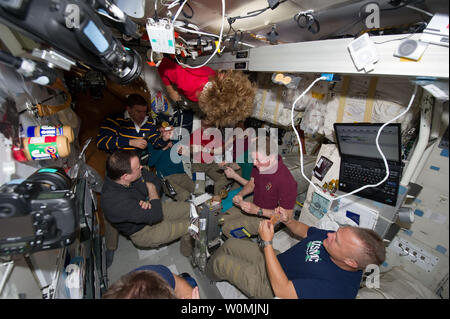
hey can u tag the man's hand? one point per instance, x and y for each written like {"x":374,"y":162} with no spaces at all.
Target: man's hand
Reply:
{"x":152,"y":193}
{"x":222,"y":165}
{"x":266,"y":230}
{"x":285,"y":216}
{"x":230,"y":173}
{"x":138,"y":143}
{"x":169,"y":145}
{"x":237,"y":199}
{"x":183,"y":151}
{"x":249,"y":207}
{"x":145,"y":204}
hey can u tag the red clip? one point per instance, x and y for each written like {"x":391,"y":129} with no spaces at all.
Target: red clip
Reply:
{"x":18,"y":154}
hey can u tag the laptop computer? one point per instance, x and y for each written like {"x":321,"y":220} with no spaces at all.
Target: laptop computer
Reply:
{"x":362,"y":164}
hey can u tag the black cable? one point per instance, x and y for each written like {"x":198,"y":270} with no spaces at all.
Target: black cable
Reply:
{"x":236,"y":40}
{"x":252,"y":13}
{"x":256,"y":12}
{"x":10,"y":60}
{"x":343,"y":29}
{"x":185,"y":15}
{"x":230,"y":22}
{"x":314,"y":27}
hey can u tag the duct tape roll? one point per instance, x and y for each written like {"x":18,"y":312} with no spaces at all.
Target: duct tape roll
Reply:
{"x":406,"y":215}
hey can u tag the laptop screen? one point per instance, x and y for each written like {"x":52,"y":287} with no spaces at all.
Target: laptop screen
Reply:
{"x":359,"y":140}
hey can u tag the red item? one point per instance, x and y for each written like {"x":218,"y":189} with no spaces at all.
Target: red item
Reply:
{"x":190,"y":82}
{"x":18,"y":154}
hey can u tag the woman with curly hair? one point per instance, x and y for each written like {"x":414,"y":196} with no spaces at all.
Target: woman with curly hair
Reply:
{"x":225,"y":98}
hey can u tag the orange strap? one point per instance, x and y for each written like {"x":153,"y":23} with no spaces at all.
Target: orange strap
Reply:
{"x":46,"y":110}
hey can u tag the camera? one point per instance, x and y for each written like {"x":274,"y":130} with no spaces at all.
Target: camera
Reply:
{"x":88,"y":40}
{"x":38,"y":214}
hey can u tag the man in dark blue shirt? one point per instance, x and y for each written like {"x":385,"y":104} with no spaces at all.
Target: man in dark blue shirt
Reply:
{"x":325,"y":264}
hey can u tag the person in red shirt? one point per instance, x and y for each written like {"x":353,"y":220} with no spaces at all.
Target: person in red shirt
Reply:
{"x":225,"y":97}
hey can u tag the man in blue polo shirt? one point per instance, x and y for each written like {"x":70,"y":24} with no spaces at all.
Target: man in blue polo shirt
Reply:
{"x":325,"y":264}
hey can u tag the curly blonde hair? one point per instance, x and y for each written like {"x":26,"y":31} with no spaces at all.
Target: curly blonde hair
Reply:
{"x":228,"y":100}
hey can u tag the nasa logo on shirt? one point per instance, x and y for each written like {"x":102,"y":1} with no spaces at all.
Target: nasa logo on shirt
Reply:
{"x":268,"y":186}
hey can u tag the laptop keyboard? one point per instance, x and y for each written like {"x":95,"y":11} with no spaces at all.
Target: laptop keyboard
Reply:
{"x":354,"y":176}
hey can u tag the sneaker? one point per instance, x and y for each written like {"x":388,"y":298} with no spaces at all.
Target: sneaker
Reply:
{"x":186,"y":245}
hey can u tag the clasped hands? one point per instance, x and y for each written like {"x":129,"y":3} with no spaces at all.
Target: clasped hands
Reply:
{"x":141,"y":142}
{"x":266,"y":226}
{"x":247,"y":207}
{"x":145,"y":204}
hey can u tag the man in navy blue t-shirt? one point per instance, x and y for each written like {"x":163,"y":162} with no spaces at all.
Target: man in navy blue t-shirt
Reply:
{"x":325,"y":264}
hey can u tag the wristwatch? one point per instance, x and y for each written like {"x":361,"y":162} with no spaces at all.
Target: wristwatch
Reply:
{"x":260,"y":212}
{"x":263,"y":244}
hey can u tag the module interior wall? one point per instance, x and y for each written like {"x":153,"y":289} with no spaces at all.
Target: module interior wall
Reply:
{"x":430,"y":230}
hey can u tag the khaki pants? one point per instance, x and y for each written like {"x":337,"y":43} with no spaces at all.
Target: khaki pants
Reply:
{"x":236,"y":218}
{"x":111,"y":236}
{"x":175,"y":224}
{"x":183,"y":185}
{"x":214,"y":172}
{"x":241,"y":262}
